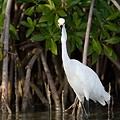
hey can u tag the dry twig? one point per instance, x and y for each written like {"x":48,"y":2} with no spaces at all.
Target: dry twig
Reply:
{"x":39,"y":93}
{"x":63,"y":106}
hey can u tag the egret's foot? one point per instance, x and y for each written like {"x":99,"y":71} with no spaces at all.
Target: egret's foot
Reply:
{"x":85,"y":116}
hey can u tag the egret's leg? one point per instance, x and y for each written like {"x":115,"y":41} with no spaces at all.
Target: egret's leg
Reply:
{"x":83,"y":108}
{"x":84,"y":111}
{"x":86,"y":104}
{"x":110,"y":108}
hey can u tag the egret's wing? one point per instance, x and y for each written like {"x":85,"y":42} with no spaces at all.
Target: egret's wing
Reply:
{"x":94,"y":87}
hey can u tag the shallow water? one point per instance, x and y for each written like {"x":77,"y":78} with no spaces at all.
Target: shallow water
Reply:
{"x":97,"y":112}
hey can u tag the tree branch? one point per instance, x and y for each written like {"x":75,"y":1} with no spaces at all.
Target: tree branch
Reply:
{"x":114,"y":62}
{"x":26,"y":89}
{"x":39,"y":93}
{"x":50,"y":81}
{"x":116,"y":4}
{"x":88,"y":33}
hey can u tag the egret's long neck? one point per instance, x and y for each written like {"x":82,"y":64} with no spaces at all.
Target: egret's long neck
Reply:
{"x":65,"y":56}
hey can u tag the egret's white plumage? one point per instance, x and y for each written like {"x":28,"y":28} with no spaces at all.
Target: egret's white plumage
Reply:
{"x":82,"y":79}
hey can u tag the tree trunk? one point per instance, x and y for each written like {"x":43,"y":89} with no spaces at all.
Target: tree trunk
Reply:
{"x":5,"y":38}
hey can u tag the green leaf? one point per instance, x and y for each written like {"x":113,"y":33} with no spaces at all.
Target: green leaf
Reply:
{"x":104,"y":33}
{"x":107,"y":50}
{"x":110,"y":52}
{"x":41,"y":25}
{"x":111,"y":27}
{"x":61,"y":13}
{"x":30,"y":21}
{"x":95,"y":57}
{"x":38,"y":37}
{"x":4,"y":6}
{"x":106,"y":8}
{"x":1,"y":22}
{"x":113,"y":40}
{"x":51,"y":20}
{"x":75,"y":17}
{"x":14,"y":33}
{"x":47,"y":45}
{"x":90,"y":50}
{"x":24,"y":23}
{"x":72,"y":44}
{"x":83,"y":25}
{"x":81,"y":34}
{"x":78,"y":42}
{"x":51,"y":5}
{"x":1,"y":45}
{"x":40,"y":8}
{"x":114,"y":56}
{"x":44,"y":18}
{"x":96,"y":46}
{"x":113,"y":16}
{"x":118,"y":29}
{"x":34,"y":22}
{"x":78,"y":23}
{"x":57,"y":2}
{"x":56,"y":20}
{"x":29,"y":31}
{"x":30,"y":11}
{"x":76,"y":20}
{"x":53,"y":47}
{"x":73,"y":2}
{"x":1,"y":55}
{"x":48,"y":17}
{"x":55,"y":35}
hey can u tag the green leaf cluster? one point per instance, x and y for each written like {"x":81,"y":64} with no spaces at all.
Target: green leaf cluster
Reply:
{"x":105,"y":30}
{"x":44,"y":27}
{"x":41,"y":25}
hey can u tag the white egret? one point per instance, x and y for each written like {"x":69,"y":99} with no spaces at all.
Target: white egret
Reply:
{"x":83,"y":80}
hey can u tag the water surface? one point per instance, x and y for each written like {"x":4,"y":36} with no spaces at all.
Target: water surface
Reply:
{"x":97,"y":112}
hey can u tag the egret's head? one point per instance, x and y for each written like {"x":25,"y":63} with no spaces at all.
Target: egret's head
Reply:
{"x":61,"y":22}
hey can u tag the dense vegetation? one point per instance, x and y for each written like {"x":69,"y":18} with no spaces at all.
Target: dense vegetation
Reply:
{"x":35,"y":73}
